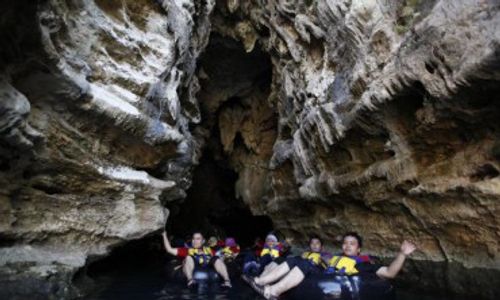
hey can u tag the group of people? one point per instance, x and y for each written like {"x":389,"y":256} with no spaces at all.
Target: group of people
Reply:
{"x":272,"y":273}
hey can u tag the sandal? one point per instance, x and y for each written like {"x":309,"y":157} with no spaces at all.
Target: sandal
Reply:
{"x":226,"y":284}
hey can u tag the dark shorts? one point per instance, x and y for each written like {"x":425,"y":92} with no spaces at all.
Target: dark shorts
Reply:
{"x":280,"y":260}
{"x":304,"y":265}
{"x":266,"y":260}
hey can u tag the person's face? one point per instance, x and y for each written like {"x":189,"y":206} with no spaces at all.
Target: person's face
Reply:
{"x":270,"y":243}
{"x":212,"y":242}
{"x":315,"y":245}
{"x":197,"y":240}
{"x":350,"y":247}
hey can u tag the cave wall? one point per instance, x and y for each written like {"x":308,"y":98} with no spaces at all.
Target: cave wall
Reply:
{"x":96,"y":100}
{"x":387,"y":125}
{"x":380,"y":117}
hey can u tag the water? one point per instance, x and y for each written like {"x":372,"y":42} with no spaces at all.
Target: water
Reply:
{"x":138,"y":271}
{"x":147,"y":281}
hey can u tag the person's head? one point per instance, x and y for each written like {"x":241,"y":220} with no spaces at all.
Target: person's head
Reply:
{"x":212,"y":241}
{"x":271,"y":240}
{"x":315,"y":244}
{"x":197,"y":240}
{"x":351,"y":244}
{"x":230,"y":242}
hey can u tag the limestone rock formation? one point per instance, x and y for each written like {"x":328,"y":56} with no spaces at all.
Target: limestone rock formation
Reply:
{"x":379,"y":116}
{"x":93,"y":134}
{"x":387,"y":125}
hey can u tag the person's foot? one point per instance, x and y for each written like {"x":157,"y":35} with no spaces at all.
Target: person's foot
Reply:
{"x":259,"y":289}
{"x":190,"y":283}
{"x":226,"y":284}
{"x":267,"y":293}
{"x":255,"y":285}
{"x":247,"y":278}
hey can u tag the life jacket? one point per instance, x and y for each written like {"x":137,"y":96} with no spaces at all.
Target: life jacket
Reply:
{"x":314,"y":258}
{"x":274,"y":252}
{"x":201,"y":258}
{"x":230,"y":251}
{"x":343,"y":265}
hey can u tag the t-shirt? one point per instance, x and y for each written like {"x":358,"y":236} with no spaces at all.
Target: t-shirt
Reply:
{"x":366,"y":264}
{"x":367,"y":267}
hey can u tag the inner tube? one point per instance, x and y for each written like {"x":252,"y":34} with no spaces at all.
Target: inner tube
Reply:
{"x":206,"y":280}
{"x":343,"y":287}
{"x":205,"y":276}
{"x":173,"y":269}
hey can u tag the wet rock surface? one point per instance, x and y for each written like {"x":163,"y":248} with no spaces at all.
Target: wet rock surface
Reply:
{"x":374,"y":116}
{"x":93,"y":136}
{"x":387,"y":124}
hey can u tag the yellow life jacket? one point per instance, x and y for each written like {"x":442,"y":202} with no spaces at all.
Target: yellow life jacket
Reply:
{"x":228,"y":252}
{"x":274,"y":252}
{"x":343,"y":264}
{"x":314,"y":257}
{"x":201,"y":258}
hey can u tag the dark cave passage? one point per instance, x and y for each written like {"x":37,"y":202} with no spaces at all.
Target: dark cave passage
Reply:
{"x":211,"y":206}
{"x":231,"y":81}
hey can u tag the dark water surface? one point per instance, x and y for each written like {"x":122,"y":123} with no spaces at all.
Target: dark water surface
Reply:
{"x":147,"y":280}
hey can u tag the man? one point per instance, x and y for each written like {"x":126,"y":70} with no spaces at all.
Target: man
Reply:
{"x":349,"y":263}
{"x":197,"y":257}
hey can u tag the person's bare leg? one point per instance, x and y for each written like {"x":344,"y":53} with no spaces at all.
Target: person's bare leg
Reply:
{"x":271,"y":266}
{"x":188,"y":268}
{"x":291,"y":280}
{"x":273,"y":275}
{"x":220,"y":267}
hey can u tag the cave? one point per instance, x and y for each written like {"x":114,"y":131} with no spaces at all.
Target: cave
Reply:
{"x":211,"y":205}
{"x":230,"y":79}
{"x":122,"y":118}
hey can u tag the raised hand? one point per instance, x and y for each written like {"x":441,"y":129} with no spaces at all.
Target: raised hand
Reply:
{"x":408,"y":247}
{"x":166,"y":242}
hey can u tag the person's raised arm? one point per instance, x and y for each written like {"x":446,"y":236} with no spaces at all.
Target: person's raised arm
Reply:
{"x":393,"y":269}
{"x":168,"y":247}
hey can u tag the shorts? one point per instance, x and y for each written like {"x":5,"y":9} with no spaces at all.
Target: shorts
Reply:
{"x":304,"y":265}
